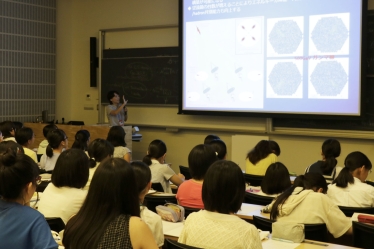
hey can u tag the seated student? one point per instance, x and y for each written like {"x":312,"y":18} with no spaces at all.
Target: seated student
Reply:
{"x":220,"y":148}
{"x":98,"y":150}
{"x":327,"y":167}
{"x":25,"y":137}
{"x":349,"y":188}
{"x":161,"y":172}
{"x":210,"y":138}
{"x":307,"y":203}
{"x":261,"y":156}
{"x":17,"y":125}
{"x":8,"y":131}
{"x":109,"y":217}
{"x":217,"y":226}
{"x":21,"y":226}
{"x":43,"y":144}
{"x":82,"y":139}
{"x":64,"y":196}
{"x":11,"y":145}
{"x":153,"y":220}
{"x":116,"y":137}
{"x":199,"y":161}
{"x":276,"y":180}
{"x":57,"y":142}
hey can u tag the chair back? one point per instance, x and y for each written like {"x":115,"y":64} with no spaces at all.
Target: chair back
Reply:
{"x":257,"y":199}
{"x":185,"y":171}
{"x":157,"y":186}
{"x":55,"y":223}
{"x":263,"y":223}
{"x":172,"y":244}
{"x":189,"y":210}
{"x":253,"y":180}
{"x":348,"y":211}
{"x":316,"y":232}
{"x":363,"y":235}
{"x":370,"y":183}
{"x":151,"y":201}
{"x":41,"y":187}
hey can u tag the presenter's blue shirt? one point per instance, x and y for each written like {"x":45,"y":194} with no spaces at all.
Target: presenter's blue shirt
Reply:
{"x":23,"y":227}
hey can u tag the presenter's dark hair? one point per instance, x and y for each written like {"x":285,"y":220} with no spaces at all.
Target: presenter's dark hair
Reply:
{"x":210,"y":138}
{"x":48,"y":128}
{"x":71,"y":169}
{"x":98,"y":150}
{"x":116,"y":136}
{"x":81,"y":139}
{"x":156,"y":149}
{"x":110,"y":95}
{"x":310,"y":180}
{"x":55,"y":137}
{"x":112,"y":192}
{"x":276,"y":179}
{"x":220,"y":147}
{"x":6,"y":127}
{"x":11,"y":145}
{"x":352,"y":162}
{"x":330,"y":150}
{"x":16,"y":171}
{"x":23,"y":135}
{"x":142,"y":174}
{"x":262,"y":150}
{"x":200,"y":159}
{"x":223,"y":187}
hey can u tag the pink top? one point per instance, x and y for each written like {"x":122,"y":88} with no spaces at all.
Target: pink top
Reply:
{"x":189,"y":194}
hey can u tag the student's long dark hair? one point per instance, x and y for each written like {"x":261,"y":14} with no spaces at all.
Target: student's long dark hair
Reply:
{"x":352,"y":162}
{"x":98,"y":150}
{"x":276,"y":179}
{"x":156,"y":149}
{"x":313,"y":181}
{"x":330,"y":150}
{"x":113,"y":192}
{"x":81,"y":139}
{"x":116,"y":136}
{"x":262,"y":150}
{"x":54,"y":137}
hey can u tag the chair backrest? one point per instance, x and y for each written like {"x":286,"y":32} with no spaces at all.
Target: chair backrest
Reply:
{"x":348,"y":211}
{"x":257,"y":199}
{"x":172,"y":244}
{"x":370,"y":183}
{"x":263,"y":223}
{"x":151,"y":201}
{"x":41,"y":187}
{"x":189,"y":210}
{"x":157,"y":186}
{"x":253,"y":180}
{"x":55,"y":223}
{"x":185,"y":171}
{"x":363,"y":235}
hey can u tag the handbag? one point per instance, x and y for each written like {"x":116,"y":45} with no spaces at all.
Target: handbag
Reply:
{"x":288,"y":231}
{"x":170,"y":212}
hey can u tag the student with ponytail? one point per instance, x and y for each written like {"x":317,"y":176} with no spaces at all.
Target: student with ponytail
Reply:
{"x":98,"y":150}
{"x":327,"y":166}
{"x":57,"y":142}
{"x":306,"y":202}
{"x":161,"y":172}
{"x":349,"y":188}
{"x":82,"y":139}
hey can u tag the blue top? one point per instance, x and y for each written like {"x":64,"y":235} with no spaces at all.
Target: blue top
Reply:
{"x":23,"y":228}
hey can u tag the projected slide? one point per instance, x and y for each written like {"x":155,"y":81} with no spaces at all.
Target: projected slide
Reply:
{"x":289,"y":56}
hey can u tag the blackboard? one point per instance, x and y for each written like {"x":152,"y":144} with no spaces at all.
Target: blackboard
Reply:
{"x":370,"y":43}
{"x":144,"y":75}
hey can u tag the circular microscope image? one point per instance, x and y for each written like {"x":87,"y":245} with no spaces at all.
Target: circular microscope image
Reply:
{"x":329,"y":34}
{"x":285,"y":37}
{"x":329,"y":78}
{"x":285,"y":78}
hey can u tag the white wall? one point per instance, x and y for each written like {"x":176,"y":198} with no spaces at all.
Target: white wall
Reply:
{"x":77,"y":20}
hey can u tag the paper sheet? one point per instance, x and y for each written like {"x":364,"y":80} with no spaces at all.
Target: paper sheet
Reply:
{"x":249,"y":208}
{"x":272,"y":244}
{"x":172,"y":229}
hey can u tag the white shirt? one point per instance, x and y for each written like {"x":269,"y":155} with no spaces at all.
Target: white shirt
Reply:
{"x":161,"y":173}
{"x":211,"y":230}
{"x":48,"y":163}
{"x":120,"y":151}
{"x":61,"y":202}
{"x":154,"y":222}
{"x":91,"y":173}
{"x":358,"y":194}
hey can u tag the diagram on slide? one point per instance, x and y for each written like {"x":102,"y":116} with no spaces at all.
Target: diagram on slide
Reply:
{"x":284,"y":79}
{"x":285,"y":36}
{"x":249,"y":35}
{"x":328,"y":79}
{"x":329,"y":34}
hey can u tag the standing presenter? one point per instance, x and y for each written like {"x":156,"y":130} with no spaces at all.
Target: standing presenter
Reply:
{"x":116,"y":112}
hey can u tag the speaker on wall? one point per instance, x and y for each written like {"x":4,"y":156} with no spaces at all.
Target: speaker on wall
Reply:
{"x":94,"y":62}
